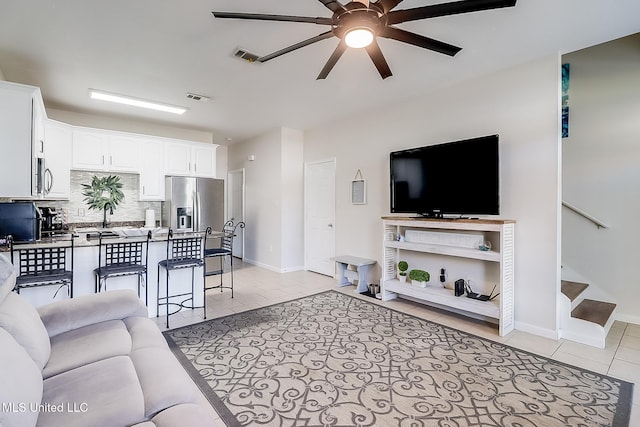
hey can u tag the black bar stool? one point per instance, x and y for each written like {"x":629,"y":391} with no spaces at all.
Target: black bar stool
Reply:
{"x":44,"y":264}
{"x":224,"y":250}
{"x":183,"y":251}
{"x":118,"y":256}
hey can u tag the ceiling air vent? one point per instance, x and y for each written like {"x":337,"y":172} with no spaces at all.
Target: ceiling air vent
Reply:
{"x":196,"y":97}
{"x":247,"y":56}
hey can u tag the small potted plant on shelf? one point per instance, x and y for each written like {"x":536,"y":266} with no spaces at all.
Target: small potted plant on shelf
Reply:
{"x":419,"y":278}
{"x":403,"y":266}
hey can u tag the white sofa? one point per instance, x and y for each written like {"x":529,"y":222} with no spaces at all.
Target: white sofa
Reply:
{"x":96,"y":360}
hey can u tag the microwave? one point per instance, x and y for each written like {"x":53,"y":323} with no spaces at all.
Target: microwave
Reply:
{"x":43,"y":178}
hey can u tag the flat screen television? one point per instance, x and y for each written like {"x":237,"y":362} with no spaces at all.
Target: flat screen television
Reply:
{"x":458,"y":178}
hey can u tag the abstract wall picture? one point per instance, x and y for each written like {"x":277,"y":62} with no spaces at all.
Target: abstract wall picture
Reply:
{"x":565,"y":100}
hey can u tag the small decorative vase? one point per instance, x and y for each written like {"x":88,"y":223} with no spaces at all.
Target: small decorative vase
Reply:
{"x":403,"y":279}
{"x":419,"y":283}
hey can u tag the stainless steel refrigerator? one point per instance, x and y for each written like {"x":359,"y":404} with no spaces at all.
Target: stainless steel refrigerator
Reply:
{"x":193,"y":204}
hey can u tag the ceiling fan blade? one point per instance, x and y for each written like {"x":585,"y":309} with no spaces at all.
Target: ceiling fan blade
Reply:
{"x":378,"y":59}
{"x":420,"y":41}
{"x":387,"y":5}
{"x":291,"y":48}
{"x":333,"y":59}
{"x":263,"y":17}
{"x":453,"y":8}
{"x":333,"y":5}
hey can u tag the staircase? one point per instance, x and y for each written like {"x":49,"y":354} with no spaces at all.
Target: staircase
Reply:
{"x":584,"y":320}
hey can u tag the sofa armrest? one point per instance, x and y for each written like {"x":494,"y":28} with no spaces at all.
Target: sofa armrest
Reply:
{"x":64,"y":316}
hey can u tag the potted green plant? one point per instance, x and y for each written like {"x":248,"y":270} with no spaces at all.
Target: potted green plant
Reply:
{"x":419,"y":278}
{"x":102,"y":194}
{"x":403,"y":266}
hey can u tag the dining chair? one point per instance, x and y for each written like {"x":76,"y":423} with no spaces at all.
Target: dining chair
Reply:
{"x":123,"y":256}
{"x":44,"y":264}
{"x":184,"y":250}
{"x":224,"y":250}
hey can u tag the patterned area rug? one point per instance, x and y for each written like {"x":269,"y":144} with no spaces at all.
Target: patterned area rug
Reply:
{"x":335,"y":360}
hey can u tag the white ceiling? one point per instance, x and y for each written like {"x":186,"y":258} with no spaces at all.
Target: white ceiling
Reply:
{"x":162,"y":49}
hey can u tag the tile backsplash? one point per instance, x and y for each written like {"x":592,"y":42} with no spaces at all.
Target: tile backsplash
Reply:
{"x":130,"y":209}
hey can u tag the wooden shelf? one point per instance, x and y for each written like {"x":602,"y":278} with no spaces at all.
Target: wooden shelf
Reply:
{"x":440,"y":295}
{"x":445,"y":250}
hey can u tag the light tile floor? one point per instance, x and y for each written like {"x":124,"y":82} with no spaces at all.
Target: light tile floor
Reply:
{"x":258,"y":287}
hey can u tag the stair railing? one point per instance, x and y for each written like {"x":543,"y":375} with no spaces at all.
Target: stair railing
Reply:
{"x":584,"y":214}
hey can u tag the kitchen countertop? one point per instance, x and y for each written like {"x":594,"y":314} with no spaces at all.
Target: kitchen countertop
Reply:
{"x":89,"y":236}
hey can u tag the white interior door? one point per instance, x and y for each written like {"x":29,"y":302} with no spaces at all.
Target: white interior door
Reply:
{"x":236,"y":208}
{"x":320,"y":216}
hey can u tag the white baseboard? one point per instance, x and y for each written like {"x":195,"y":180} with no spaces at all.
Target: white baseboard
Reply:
{"x":628,"y":318}
{"x":271,"y":267}
{"x":536,"y":330}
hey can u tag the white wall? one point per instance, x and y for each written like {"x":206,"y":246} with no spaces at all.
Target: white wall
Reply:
{"x":519,"y":104}
{"x":600,"y":170}
{"x":1,"y":75}
{"x":273,"y":198}
{"x":292,"y":184}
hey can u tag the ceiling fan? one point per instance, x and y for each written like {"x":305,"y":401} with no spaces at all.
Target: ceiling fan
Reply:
{"x":359,"y":22}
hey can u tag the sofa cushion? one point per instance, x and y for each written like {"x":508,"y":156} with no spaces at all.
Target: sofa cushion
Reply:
{"x":21,"y":320}
{"x":188,"y":414}
{"x":144,"y":333}
{"x":20,"y":384}
{"x":86,"y":345}
{"x":164,"y":382}
{"x":104,"y":393}
{"x":66,"y":315}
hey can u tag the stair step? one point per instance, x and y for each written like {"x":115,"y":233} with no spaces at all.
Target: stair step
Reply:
{"x":572,"y":289}
{"x":594,"y":311}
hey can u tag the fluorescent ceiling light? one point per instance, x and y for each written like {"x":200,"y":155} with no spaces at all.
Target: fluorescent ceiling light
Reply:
{"x":359,"y":37}
{"x":136,"y":102}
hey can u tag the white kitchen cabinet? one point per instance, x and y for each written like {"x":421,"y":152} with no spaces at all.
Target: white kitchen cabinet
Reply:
{"x":90,"y":150}
{"x":190,"y":159}
{"x":151,"y":170}
{"x":203,"y":158}
{"x":57,"y":154}
{"x":123,"y":153}
{"x":97,"y":150}
{"x":39,"y":119}
{"x":433,"y":244}
{"x":21,"y":139}
{"x":177,"y":158}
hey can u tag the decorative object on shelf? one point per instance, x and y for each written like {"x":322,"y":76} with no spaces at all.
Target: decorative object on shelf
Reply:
{"x":103,"y":193}
{"x":403,"y":266}
{"x":358,"y":190}
{"x":485,"y":246}
{"x":419,"y":277}
{"x":443,"y":277}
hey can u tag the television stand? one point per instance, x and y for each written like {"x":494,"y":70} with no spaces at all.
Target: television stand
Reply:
{"x":452,"y":244}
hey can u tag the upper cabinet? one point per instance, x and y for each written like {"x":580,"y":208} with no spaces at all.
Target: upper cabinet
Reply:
{"x":203,"y":158}
{"x":57,"y":153}
{"x":151,"y":170}
{"x":21,"y":141}
{"x":190,"y":159}
{"x":97,"y":150}
{"x":123,"y":153}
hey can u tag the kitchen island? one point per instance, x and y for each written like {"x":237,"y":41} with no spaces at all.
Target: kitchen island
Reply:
{"x":86,"y":249}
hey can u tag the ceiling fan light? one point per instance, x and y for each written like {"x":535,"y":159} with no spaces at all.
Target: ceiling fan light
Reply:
{"x":358,"y":37}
